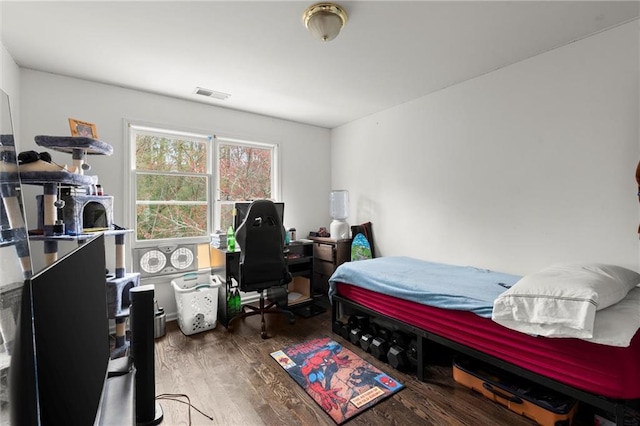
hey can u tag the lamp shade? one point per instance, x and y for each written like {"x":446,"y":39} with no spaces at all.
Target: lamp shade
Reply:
{"x":324,"y":20}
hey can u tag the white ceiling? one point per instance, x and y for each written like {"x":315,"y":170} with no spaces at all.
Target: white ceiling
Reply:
{"x":390,"y":52}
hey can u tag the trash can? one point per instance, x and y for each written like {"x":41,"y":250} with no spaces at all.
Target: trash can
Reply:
{"x":196,"y":301}
{"x":160,"y":321}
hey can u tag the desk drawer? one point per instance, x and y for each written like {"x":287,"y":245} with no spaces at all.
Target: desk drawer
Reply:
{"x":324,"y":252}
{"x":323,"y":268}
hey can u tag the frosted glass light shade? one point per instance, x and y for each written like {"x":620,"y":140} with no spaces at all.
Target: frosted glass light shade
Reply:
{"x":339,"y":204}
{"x":325,"y":26}
{"x":324,"y":20}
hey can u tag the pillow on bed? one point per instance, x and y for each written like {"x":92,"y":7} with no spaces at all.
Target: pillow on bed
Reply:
{"x":561,"y":301}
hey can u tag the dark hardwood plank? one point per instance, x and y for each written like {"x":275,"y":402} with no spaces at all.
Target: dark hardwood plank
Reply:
{"x":230,"y":376}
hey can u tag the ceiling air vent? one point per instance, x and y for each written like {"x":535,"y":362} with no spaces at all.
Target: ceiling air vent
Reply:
{"x":211,"y":93}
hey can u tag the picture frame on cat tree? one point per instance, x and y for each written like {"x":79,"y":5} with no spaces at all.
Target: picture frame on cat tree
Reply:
{"x":83,"y":128}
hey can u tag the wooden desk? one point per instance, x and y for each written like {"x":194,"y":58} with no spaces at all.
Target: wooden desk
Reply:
{"x":300,"y":263}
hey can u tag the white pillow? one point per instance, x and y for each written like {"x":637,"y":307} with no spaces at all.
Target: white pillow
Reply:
{"x":616,"y":325}
{"x":561,"y":301}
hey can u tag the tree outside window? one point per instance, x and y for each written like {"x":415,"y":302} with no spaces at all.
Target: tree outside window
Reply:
{"x":246,"y":172}
{"x":172,"y":182}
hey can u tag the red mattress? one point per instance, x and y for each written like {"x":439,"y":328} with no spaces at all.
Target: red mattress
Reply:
{"x":608,"y":371}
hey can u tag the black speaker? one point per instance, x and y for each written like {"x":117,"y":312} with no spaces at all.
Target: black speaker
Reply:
{"x":148,"y":412}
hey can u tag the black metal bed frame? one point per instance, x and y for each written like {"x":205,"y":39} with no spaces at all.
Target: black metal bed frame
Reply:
{"x":616,"y":406}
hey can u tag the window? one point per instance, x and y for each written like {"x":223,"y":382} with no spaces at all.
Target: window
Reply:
{"x":246,"y":171}
{"x":171,"y":183}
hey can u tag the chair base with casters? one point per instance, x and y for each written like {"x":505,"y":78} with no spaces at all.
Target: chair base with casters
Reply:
{"x":269,"y":309}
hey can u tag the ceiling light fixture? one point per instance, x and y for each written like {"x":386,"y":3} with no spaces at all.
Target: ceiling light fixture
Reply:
{"x":324,"y":20}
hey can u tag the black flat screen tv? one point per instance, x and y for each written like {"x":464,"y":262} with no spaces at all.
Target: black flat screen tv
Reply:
{"x":61,"y":353}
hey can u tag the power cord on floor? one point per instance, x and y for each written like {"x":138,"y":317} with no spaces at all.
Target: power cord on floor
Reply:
{"x":175,"y":396}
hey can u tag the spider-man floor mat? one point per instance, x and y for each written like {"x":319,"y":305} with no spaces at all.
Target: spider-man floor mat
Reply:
{"x":341,"y":382}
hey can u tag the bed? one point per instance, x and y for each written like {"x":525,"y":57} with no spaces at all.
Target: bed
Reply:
{"x":458,"y":313}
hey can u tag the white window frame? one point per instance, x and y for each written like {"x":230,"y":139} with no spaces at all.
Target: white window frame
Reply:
{"x":131,"y":201}
{"x":275,"y":170}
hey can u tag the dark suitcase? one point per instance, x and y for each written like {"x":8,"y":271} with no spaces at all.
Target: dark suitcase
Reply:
{"x":543,"y":405}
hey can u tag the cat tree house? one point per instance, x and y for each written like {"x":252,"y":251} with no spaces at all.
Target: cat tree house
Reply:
{"x":82,"y":214}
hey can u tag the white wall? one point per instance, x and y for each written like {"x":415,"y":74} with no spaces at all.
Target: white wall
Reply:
{"x":48,"y":101}
{"x":526,"y":166}
{"x":10,"y":84}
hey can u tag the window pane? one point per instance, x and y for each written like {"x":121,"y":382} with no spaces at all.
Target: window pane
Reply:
{"x":171,"y":188}
{"x":170,"y":221}
{"x":170,"y":154}
{"x":245,"y":172}
{"x":226,"y":216}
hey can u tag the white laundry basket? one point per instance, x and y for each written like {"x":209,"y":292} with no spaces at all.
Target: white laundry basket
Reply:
{"x":197,"y":302}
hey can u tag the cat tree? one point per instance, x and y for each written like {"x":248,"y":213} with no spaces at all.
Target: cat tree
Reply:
{"x":80,"y":213}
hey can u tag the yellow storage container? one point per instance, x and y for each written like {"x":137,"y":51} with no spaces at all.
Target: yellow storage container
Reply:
{"x":545,"y":406}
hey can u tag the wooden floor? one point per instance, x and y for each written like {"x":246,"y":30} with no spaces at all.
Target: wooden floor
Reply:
{"x":231,"y":377}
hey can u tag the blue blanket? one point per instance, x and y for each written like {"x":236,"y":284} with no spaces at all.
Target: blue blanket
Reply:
{"x":434,"y":284}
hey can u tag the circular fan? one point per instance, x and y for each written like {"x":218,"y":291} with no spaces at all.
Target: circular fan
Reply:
{"x":182,"y":258}
{"x":153,"y":261}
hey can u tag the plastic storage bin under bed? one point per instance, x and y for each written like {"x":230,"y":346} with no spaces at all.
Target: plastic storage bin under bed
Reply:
{"x":545,"y":406}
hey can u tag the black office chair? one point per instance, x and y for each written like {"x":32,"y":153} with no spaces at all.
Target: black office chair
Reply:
{"x":262,"y":262}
